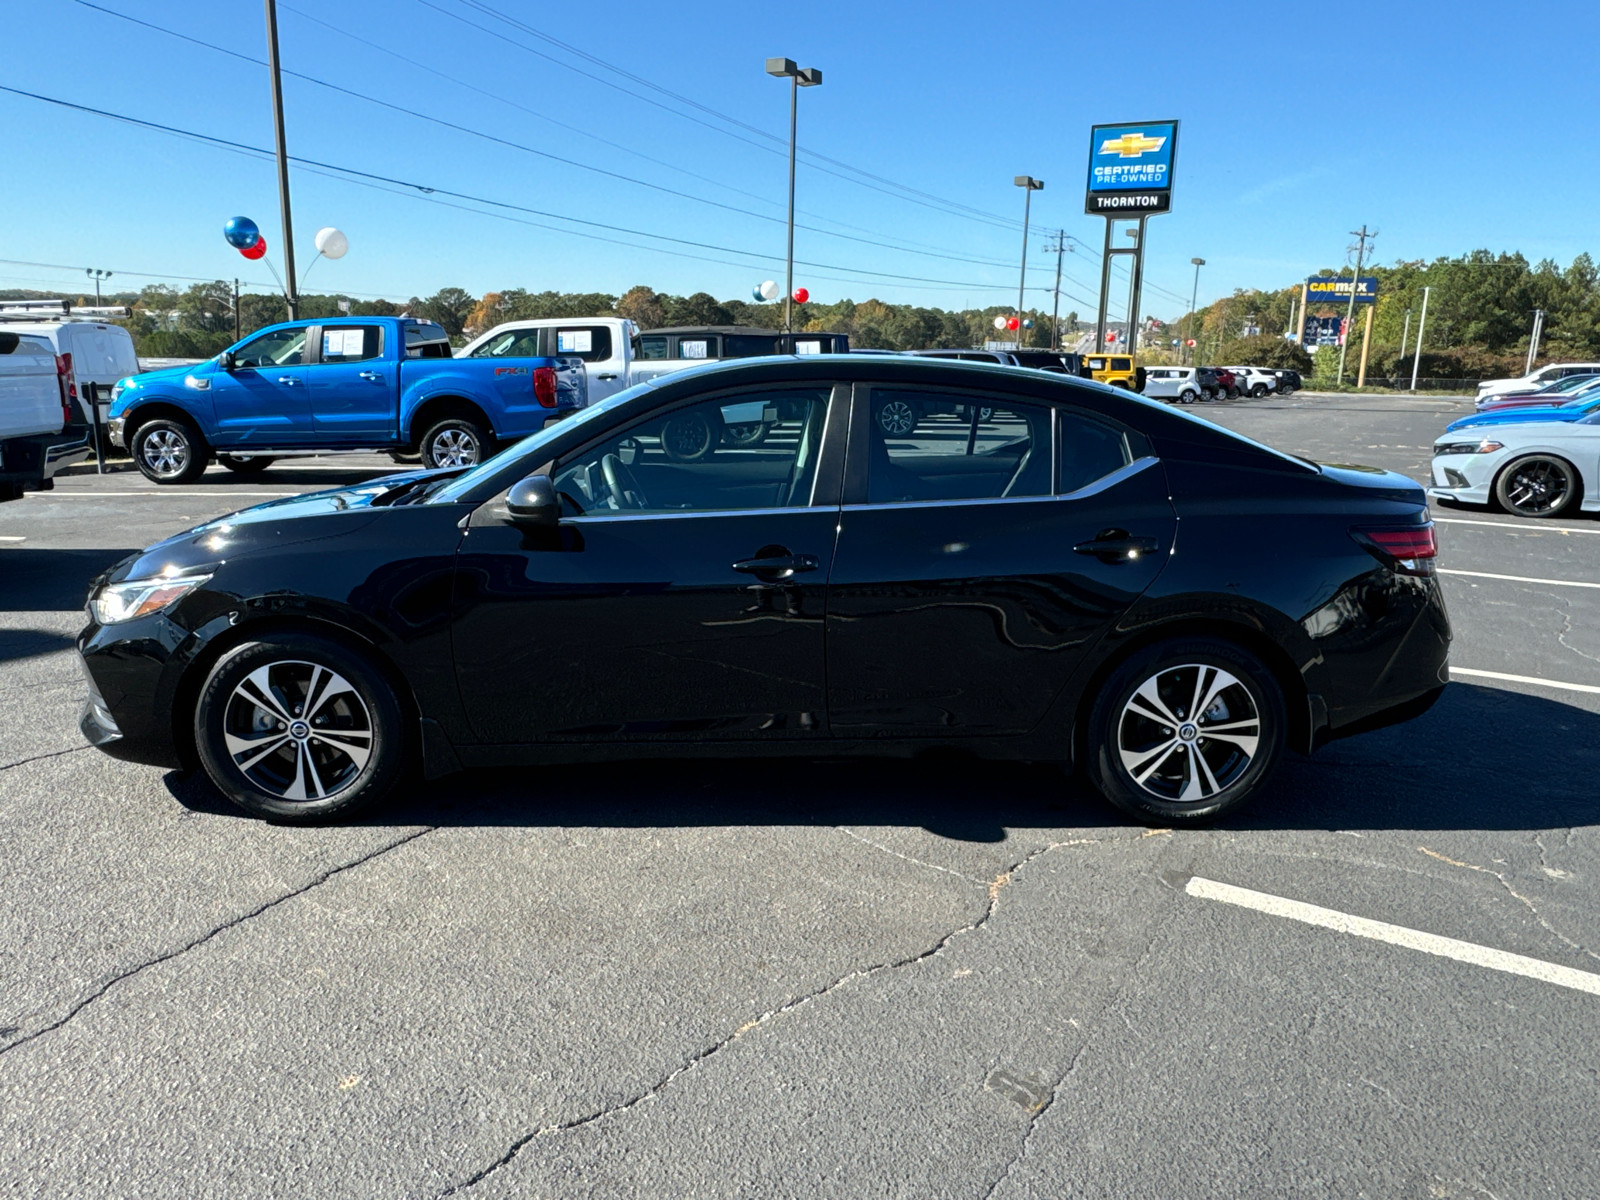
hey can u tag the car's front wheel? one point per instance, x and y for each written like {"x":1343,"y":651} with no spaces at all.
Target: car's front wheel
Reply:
{"x":169,"y":450}
{"x":1185,"y":730}
{"x":295,"y":727}
{"x":1537,"y":486}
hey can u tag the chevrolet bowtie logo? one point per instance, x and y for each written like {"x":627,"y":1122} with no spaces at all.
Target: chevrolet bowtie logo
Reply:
{"x":1132,"y":145}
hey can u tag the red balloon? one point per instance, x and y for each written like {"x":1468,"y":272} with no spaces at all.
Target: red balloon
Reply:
{"x":801,"y":295}
{"x":256,"y":251}
{"x":1013,"y":323}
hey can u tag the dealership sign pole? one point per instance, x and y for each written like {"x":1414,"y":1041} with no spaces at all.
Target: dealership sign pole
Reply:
{"x":1130,"y":178}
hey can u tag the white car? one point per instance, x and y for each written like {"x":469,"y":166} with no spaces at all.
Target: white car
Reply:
{"x":1535,"y":469}
{"x":35,"y":442}
{"x":1253,"y":381}
{"x":1533,"y":382}
{"x":1173,"y":383}
{"x":93,"y":352}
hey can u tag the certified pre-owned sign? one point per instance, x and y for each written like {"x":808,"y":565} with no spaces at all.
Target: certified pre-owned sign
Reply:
{"x":1130,"y":168}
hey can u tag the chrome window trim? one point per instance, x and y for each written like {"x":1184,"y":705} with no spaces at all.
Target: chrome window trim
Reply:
{"x":1099,"y":485}
{"x":675,"y":514}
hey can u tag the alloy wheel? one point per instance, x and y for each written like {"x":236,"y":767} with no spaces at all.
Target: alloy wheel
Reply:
{"x":897,"y":417}
{"x":298,"y":731}
{"x":1537,"y":486}
{"x":164,"y":452}
{"x":453,"y":448}
{"x":1188,"y":732}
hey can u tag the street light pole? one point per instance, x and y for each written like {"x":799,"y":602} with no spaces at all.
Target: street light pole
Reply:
{"x":1031,"y":185}
{"x":1421,"y":322}
{"x":798,"y":77}
{"x":97,"y":275}
{"x":291,"y":290}
{"x":1193,"y":297}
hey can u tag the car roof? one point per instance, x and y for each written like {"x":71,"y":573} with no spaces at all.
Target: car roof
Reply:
{"x":755,"y":330}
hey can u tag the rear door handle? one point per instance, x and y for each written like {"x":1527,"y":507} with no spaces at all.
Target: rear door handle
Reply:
{"x":372,"y":376}
{"x":784,"y":566}
{"x":1123,"y":549}
{"x":612,"y":376}
{"x":287,"y":380}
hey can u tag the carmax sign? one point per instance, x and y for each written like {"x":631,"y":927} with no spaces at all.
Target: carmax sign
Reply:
{"x":1329,"y":289}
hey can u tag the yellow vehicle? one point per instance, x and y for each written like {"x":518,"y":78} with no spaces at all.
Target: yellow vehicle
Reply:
{"x":1116,"y":369}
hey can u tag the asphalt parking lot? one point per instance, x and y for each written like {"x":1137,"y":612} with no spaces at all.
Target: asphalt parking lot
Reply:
{"x":926,"y":979}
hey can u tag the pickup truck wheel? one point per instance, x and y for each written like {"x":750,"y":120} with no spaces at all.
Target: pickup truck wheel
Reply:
{"x":245,"y":464}
{"x":456,"y":442}
{"x":169,"y":450}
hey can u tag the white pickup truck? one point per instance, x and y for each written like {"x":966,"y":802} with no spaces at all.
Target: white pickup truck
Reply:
{"x":33,"y":417}
{"x":618,"y":355}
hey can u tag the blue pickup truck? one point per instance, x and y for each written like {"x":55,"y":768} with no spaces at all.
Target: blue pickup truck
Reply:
{"x":376,"y":383}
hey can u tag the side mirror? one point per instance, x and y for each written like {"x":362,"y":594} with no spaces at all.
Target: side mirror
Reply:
{"x":533,"y":501}
{"x":225,"y":360}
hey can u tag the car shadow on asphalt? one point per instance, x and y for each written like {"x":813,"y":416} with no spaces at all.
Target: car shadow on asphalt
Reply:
{"x":41,"y":580}
{"x":1482,"y":758}
{"x":18,"y":644}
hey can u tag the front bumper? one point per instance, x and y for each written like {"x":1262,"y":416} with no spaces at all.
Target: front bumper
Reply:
{"x":115,"y":427}
{"x":133,"y":671}
{"x":1461,"y":479}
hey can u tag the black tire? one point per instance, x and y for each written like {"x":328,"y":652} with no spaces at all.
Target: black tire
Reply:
{"x":299,"y":766}
{"x":896,"y":416}
{"x":1539,"y":485}
{"x":689,"y":436}
{"x":246,"y":464}
{"x":1259,"y":390}
{"x":743,"y":436}
{"x":1123,"y":744}
{"x":169,"y":450}
{"x":405,"y":457}
{"x":1187,"y":396}
{"x":455,"y":442}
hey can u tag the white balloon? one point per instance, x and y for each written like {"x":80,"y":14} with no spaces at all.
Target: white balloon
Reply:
{"x":999,"y":322}
{"x":769,"y":290}
{"x":331,"y":243}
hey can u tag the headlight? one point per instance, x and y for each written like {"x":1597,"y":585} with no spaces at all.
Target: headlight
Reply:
{"x":1475,"y":447}
{"x":117,"y":389}
{"x":132,"y":598}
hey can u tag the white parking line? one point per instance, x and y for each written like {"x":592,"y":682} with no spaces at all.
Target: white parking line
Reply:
{"x":1395,"y":935}
{"x":1519,"y":578}
{"x":60,"y":494}
{"x":1522,"y":527}
{"x":1533,"y":679}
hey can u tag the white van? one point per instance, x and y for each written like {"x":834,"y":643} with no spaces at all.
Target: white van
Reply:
{"x":1173,"y":383}
{"x":100,"y":354}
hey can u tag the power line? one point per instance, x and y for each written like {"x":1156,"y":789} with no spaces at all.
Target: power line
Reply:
{"x":358,"y":176}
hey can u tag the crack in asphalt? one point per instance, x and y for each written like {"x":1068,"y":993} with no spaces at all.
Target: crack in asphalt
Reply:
{"x":21,"y":762}
{"x":1530,"y":905}
{"x":921,"y":862}
{"x":211,"y":933}
{"x":1158,"y":926}
{"x":995,"y":888}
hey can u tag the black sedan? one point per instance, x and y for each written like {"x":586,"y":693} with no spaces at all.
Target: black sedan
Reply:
{"x":1045,"y":568}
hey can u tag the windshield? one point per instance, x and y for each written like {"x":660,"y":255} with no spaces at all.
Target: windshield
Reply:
{"x":530,"y":449}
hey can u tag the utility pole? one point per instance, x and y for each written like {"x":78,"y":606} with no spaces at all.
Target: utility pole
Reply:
{"x":1355,"y":284}
{"x":1188,"y":332}
{"x":1055,"y":311}
{"x":1422,"y":321}
{"x":291,"y":290}
{"x":1406,"y":336}
{"x":1533,"y":340}
{"x":236,"y":334}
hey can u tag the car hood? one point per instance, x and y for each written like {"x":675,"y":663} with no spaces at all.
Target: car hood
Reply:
{"x":145,"y":377}
{"x":1519,"y":416}
{"x":271,"y":526}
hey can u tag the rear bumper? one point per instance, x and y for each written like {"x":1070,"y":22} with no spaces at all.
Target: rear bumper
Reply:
{"x":27,"y":463}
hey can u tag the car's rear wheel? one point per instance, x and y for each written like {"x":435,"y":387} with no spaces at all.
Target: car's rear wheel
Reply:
{"x":245,"y":464}
{"x":1259,"y":390}
{"x":1185,"y":730}
{"x":750,"y":434}
{"x":169,"y":450}
{"x":1187,"y":396}
{"x":1537,"y":486}
{"x":456,"y":442}
{"x":296,"y":727}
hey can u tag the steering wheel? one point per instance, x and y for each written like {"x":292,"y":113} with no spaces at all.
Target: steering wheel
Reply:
{"x":625,"y":489}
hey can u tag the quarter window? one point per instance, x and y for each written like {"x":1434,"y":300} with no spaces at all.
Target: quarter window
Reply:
{"x":279,"y":348}
{"x":754,"y":450}
{"x":1090,"y":450}
{"x":935,"y":446}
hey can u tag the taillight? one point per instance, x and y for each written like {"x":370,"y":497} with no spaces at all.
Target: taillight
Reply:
{"x":1410,"y":550}
{"x":544,"y":386}
{"x":65,"y":386}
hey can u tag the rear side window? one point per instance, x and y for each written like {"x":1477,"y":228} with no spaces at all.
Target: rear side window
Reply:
{"x":592,"y":343}
{"x":1090,"y":450}
{"x":746,"y":345}
{"x":351,"y":343}
{"x":697,"y":347}
{"x":1121,"y":364}
{"x":934,"y":446}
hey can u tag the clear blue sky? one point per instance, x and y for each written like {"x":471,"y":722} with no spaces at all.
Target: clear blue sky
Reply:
{"x":1449,"y":112}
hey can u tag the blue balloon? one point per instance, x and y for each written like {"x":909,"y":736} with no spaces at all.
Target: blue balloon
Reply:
{"x":241,"y":232}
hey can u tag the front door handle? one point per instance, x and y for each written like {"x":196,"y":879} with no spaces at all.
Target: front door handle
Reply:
{"x":372,"y":376}
{"x":1119,"y":547}
{"x":287,"y":380}
{"x":612,"y":376}
{"x":782,"y":566}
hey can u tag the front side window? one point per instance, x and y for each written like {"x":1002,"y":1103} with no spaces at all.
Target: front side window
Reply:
{"x":745,"y":451}
{"x":513,"y":343}
{"x":592,"y":343}
{"x":279,"y":348}
{"x":933,"y":446}
{"x":652,"y":348}
{"x":351,"y":343}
